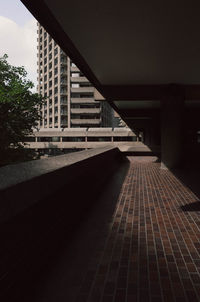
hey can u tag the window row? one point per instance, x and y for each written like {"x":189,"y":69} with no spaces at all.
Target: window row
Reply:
{"x":80,"y":138}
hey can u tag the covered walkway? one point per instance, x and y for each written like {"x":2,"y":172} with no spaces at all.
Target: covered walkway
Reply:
{"x":140,"y":242}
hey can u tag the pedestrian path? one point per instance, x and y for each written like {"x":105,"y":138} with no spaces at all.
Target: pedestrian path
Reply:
{"x":151,"y":248}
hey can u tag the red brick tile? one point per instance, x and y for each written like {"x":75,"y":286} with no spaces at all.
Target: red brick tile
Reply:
{"x":151,"y":247}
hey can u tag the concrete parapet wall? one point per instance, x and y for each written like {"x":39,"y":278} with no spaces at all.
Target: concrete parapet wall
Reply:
{"x":21,"y":185}
{"x":42,"y":202}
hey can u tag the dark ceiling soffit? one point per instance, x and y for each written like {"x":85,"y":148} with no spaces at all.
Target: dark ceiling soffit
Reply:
{"x":192,"y":92}
{"x":111,"y":93}
{"x":132,"y":92}
{"x":139,"y":112}
{"x":150,"y":92}
{"x":44,"y":16}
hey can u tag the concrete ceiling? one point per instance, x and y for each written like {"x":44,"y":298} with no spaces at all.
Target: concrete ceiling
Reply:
{"x":134,"y":42}
{"x":131,"y":49}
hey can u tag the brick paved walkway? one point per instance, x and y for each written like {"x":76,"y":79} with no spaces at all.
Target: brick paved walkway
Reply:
{"x":152,"y":243}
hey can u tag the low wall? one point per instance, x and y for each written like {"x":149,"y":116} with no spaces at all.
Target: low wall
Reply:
{"x":42,"y":202}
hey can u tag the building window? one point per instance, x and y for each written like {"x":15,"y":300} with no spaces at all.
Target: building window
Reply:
{"x":30,"y":139}
{"x":63,"y":100}
{"x":45,"y":139}
{"x":63,"y":70}
{"x":63,"y":91}
{"x":98,"y":139}
{"x":124,"y":138}
{"x":73,"y":139}
{"x":55,"y":139}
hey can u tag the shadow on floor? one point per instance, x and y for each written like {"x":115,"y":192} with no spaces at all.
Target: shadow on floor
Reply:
{"x":191,"y":207}
{"x":189,"y":176}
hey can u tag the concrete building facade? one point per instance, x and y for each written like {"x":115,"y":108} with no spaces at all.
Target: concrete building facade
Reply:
{"x":70,"y":96}
{"x":58,"y":141}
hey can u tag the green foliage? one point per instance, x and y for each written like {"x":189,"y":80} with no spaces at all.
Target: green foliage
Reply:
{"x":19,"y":108}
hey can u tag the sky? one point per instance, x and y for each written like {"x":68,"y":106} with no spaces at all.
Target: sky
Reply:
{"x":18,"y":36}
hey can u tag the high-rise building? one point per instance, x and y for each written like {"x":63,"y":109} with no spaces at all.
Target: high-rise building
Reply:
{"x":70,"y":96}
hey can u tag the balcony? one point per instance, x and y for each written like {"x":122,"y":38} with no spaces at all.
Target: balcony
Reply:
{"x":82,"y":100}
{"x":74,"y":69}
{"x":85,"y":121}
{"x":82,"y":90}
{"x":85,"y":110}
{"x":79,"y":80}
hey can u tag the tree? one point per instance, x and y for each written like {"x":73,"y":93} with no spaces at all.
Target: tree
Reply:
{"x":19,"y":110}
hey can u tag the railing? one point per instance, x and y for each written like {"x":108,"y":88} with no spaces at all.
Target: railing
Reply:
{"x":82,"y":100}
{"x":82,"y":89}
{"x":85,"y":110}
{"x":83,"y":121}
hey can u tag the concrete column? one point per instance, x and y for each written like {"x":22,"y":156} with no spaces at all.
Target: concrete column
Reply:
{"x":171,"y":130}
{"x":155,"y":134}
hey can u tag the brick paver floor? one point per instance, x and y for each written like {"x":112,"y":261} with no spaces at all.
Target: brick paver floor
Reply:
{"x":152,"y":244}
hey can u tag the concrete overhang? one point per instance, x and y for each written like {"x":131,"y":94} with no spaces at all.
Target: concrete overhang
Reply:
{"x":129,"y":50}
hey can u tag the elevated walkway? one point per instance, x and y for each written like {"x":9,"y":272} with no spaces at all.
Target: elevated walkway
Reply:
{"x":138,"y":240}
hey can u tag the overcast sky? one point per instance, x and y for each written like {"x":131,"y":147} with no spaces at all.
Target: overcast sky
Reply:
{"x":18,"y":36}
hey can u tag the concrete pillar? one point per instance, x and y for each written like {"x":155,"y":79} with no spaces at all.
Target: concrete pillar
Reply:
{"x":171,"y":129}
